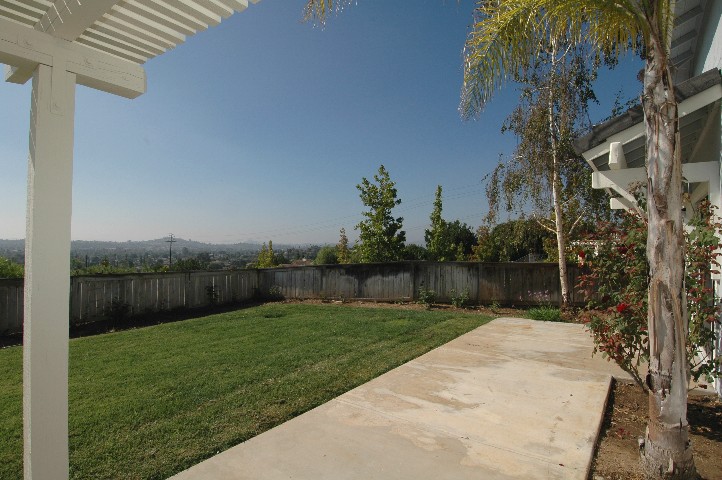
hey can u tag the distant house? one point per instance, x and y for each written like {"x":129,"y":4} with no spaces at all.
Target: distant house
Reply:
{"x":301,"y":262}
{"x":615,"y":149}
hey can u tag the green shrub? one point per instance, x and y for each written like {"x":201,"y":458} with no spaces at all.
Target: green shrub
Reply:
{"x":10,"y":269}
{"x":326,"y":256}
{"x":495,"y":306}
{"x":617,"y":271}
{"x":460,"y":300}
{"x":545,"y":313}
{"x":275,"y":293}
{"x":212,"y":294}
{"x":426,"y":297}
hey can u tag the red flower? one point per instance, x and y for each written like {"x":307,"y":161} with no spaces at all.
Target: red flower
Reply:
{"x":582,"y":254}
{"x":622,"y":307}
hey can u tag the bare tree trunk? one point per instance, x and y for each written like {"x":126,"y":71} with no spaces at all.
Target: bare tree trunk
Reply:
{"x":667,"y":452}
{"x":556,"y":187}
{"x":561,"y":237}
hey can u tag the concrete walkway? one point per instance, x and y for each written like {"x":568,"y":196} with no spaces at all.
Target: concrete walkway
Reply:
{"x":512,"y":399}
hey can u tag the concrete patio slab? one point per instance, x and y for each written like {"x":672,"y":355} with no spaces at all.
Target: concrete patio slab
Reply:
{"x":514,"y":398}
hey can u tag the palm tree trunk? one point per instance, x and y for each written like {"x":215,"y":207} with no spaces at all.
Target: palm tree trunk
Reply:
{"x":667,"y":452}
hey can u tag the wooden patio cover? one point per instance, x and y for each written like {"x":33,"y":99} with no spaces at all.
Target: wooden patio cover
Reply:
{"x":100,"y":44}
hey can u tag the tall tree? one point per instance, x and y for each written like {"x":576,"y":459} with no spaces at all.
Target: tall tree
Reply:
{"x":266,"y":258}
{"x":505,"y":38}
{"x":447,"y":241}
{"x":556,"y":89}
{"x":343,"y":253}
{"x":437,"y":241}
{"x":380,"y":236}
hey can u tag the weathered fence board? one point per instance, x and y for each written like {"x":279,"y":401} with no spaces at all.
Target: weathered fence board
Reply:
{"x":95,"y":298}
{"x":100,"y":297}
{"x":503,"y":283}
{"x":11,"y":304}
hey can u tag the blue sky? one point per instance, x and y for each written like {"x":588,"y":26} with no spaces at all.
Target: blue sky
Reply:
{"x":261,"y":127}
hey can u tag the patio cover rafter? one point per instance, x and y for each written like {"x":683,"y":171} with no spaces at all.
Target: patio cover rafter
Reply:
{"x":136,"y":30}
{"x":24,"y":49}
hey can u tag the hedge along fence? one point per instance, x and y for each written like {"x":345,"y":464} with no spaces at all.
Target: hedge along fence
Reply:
{"x":522,"y":284}
{"x":104,"y":297}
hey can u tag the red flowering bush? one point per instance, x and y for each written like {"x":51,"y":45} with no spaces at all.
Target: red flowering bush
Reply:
{"x":616,"y":280}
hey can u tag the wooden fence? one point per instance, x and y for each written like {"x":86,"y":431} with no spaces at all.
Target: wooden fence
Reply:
{"x":101,"y":297}
{"x":11,"y":305}
{"x":522,"y":284}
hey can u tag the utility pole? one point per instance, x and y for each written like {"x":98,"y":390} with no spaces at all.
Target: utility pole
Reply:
{"x":170,"y":251}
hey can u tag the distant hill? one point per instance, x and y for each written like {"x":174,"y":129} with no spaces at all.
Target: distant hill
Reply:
{"x":159,"y":244}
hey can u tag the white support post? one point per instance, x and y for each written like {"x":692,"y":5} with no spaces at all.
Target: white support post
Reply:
{"x":47,"y":274}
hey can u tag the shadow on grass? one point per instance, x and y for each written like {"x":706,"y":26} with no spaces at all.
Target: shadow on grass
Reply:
{"x":137,"y":321}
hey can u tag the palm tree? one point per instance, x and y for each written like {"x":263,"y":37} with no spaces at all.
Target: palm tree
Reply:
{"x":506,"y":36}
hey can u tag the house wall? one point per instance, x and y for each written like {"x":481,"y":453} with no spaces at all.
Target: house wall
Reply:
{"x":709,"y":56}
{"x":709,"y":49}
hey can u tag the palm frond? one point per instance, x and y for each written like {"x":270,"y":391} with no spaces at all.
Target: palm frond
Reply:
{"x":319,"y":10}
{"x":508,"y":34}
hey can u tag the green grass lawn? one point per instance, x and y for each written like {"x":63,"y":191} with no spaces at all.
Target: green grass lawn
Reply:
{"x":150,"y":402}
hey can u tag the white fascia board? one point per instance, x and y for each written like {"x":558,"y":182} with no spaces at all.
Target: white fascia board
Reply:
{"x":700,"y":100}
{"x":634,"y":132}
{"x":25,"y":48}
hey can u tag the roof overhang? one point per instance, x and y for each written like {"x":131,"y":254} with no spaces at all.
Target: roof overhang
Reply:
{"x":698,"y":99}
{"x":689,"y":23}
{"x":615,"y":149}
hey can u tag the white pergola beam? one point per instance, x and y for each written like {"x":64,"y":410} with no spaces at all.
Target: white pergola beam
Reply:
{"x":25,"y":48}
{"x":56,"y":65}
{"x":65,"y":19}
{"x":61,"y":43}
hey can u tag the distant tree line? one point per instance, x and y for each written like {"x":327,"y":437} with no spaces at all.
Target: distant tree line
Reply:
{"x":381,"y":238}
